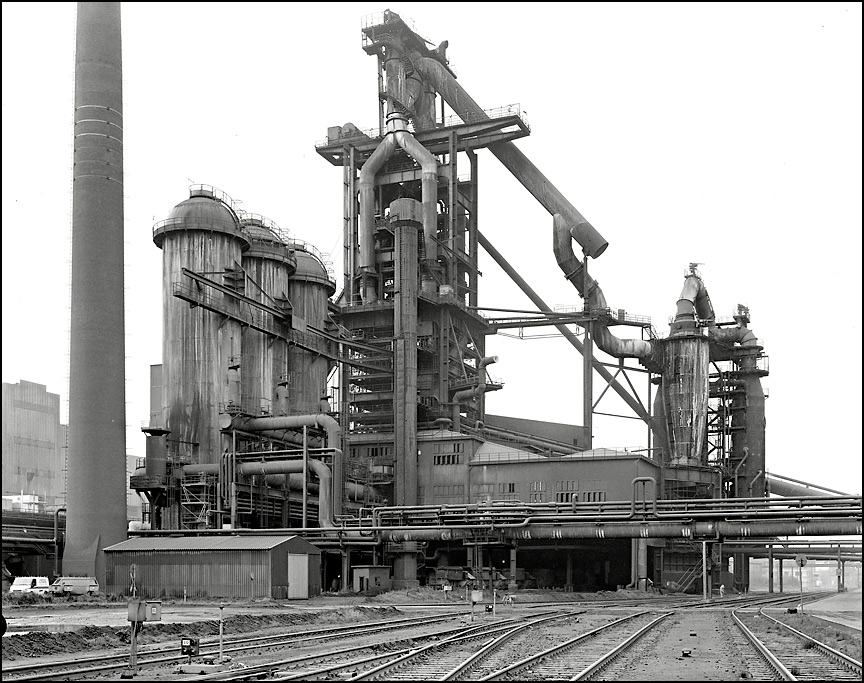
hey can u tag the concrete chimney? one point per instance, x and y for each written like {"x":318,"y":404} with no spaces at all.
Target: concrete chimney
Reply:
{"x":96,"y":466}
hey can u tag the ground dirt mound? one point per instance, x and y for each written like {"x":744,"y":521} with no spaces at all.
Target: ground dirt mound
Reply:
{"x":104,"y":637}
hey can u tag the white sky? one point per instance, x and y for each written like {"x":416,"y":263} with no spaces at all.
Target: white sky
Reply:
{"x":725,"y":134}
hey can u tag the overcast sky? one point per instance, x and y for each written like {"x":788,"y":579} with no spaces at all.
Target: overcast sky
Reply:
{"x":724,"y":134}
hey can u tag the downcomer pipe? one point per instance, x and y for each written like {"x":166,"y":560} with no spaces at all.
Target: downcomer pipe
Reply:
{"x":397,"y":134}
{"x":574,"y":272}
{"x":512,"y":158}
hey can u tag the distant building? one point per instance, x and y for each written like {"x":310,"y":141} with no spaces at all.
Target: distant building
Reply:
{"x":34,"y":448}
{"x":34,"y":451}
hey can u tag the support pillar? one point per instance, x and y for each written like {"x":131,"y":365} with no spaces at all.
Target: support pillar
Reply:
{"x":642,"y":563}
{"x":405,"y":567}
{"x":568,"y":586}
{"x":781,"y":574}
{"x":634,"y":562}
{"x":770,"y":569}
{"x":512,"y":585}
{"x":346,"y":570}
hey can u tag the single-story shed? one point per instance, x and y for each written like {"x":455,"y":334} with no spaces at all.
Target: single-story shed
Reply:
{"x":371,"y":578}
{"x":236,"y":566}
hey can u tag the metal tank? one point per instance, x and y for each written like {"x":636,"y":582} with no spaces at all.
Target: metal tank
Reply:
{"x":199,"y":348}
{"x":269,"y":264}
{"x":310,"y":287}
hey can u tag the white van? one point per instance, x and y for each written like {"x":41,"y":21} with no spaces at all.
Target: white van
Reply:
{"x":75,"y":585}
{"x":30,"y":584}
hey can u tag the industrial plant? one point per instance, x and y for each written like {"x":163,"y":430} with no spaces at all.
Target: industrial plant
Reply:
{"x":341,"y":418}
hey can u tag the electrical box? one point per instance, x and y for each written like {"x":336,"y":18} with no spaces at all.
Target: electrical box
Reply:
{"x":153,"y":610}
{"x":145,"y":610}
{"x":189,"y":646}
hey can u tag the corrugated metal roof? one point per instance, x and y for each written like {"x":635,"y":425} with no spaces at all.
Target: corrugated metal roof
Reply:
{"x":240,"y":542}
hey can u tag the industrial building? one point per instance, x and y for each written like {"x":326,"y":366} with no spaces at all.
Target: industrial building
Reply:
{"x":350,"y":414}
{"x":34,"y":448}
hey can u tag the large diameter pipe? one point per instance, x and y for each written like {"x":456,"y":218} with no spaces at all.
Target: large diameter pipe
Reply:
{"x":397,"y":134}
{"x":96,"y":474}
{"x":321,"y":421}
{"x":366,"y":217}
{"x":428,"y":184}
{"x":318,"y":420}
{"x":325,"y":479}
{"x":513,"y":159}
{"x":693,"y":304}
{"x":590,"y":290}
{"x":686,"y":531}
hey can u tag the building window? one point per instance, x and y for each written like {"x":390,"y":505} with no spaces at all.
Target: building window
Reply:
{"x":536,"y":498}
{"x":458,"y":447}
{"x":538,"y":486}
{"x":447,"y":459}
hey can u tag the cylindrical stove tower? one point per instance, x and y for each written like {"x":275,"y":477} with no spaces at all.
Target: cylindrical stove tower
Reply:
{"x":269,"y":263}
{"x":310,"y":287}
{"x":96,"y":468}
{"x":200,"y":348}
{"x":684,"y":396}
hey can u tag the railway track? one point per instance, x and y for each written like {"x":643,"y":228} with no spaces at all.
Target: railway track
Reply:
{"x":150,"y":656}
{"x":360,"y":662}
{"x":566,"y":644}
{"x":794,"y":655}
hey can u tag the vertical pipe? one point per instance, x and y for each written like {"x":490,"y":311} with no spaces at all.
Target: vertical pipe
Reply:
{"x":233,"y":479}
{"x":705,"y":571}
{"x":587,"y":369}
{"x":306,"y":475}
{"x":96,"y":478}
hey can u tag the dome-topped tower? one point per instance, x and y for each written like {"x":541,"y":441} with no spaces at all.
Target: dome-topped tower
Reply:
{"x":200,"y":349}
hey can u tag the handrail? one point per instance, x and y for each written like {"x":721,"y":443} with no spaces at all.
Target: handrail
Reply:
{"x":500,"y":112}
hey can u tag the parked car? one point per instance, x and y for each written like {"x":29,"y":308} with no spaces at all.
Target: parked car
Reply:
{"x":31,"y":584}
{"x":74,"y":585}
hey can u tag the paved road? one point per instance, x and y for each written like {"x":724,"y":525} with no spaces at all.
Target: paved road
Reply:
{"x":843,"y":608}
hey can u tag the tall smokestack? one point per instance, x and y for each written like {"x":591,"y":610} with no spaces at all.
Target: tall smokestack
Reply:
{"x":96,"y":467}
